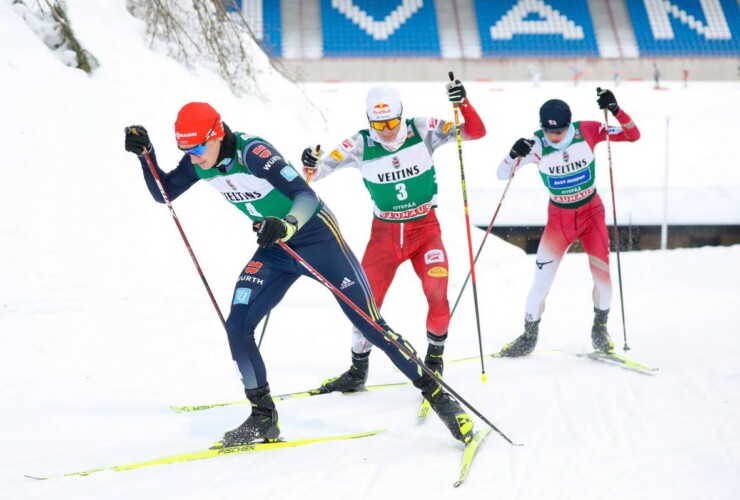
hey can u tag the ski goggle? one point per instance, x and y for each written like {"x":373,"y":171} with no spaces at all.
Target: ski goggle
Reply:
{"x":197,"y":150}
{"x":390,"y":124}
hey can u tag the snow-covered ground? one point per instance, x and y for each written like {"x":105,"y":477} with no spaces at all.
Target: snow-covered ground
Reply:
{"x":104,"y":321}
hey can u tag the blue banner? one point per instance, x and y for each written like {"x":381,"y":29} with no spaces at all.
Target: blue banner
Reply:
{"x":686,"y":27}
{"x":535,"y":28}
{"x":271,"y":30}
{"x":379,"y":28}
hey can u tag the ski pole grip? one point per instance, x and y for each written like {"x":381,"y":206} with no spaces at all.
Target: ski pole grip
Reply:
{"x":452,"y":76}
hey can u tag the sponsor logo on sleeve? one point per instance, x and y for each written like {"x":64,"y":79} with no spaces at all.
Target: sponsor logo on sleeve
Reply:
{"x":252,"y":279}
{"x":269,"y":163}
{"x":337,"y":155}
{"x":261,"y":151}
{"x":437,"y":272}
{"x":348,"y":144}
{"x":446,"y":127}
{"x":253,"y":267}
{"x":241,"y":296}
{"x":433,"y":256}
{"x":289,"y":173}
{"x":433,"y":122}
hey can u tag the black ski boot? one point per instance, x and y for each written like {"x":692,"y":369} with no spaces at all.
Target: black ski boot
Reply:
{"x":353,"y":380}
{"x":524,"y":343}
{"x":262,"y":424}
{"x":600,"y":338}
{"x":435,"y":349}
{"x":456,"y":419}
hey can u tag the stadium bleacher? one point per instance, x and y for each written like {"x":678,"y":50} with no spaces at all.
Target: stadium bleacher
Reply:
{"x":505,"y":28}
{"x":686,"y":27}
{"x":526,"y":28}
{"x":355,"y":28}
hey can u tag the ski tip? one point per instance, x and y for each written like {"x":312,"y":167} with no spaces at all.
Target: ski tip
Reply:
{"x":481,"y":434}
{"x":422,"y":417}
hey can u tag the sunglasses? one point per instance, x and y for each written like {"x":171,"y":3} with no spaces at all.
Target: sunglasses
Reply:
{"x":201,"y":148}
{"x":198,"y":150}
{"x":390,"y":124}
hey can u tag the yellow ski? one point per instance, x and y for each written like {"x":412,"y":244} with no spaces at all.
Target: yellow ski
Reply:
{"x":469,"y":454}
{"x":216,"y":451}
{"x":281,"y":397}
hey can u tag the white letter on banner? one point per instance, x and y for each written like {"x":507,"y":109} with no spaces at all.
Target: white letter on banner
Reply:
{"x":553,"y":23}
{"x":716,"y":28}
{"x":379,"y":30}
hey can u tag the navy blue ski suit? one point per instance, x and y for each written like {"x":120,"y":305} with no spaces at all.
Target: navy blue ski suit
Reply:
{"x":270,"y":272}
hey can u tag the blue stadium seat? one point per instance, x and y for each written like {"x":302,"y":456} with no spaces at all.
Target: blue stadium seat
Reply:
{"x":271,"y":41}
{"x":515,"y":28}
{"x":562,"y":28}
{"x":685,"y":29}
{"x":379,"y":28}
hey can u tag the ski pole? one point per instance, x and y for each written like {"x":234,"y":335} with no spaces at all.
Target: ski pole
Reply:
{"x":390,"y":338}
{"x":488,"y":230}
{"x":264,"y":327}
{"x":455,"y":107}
{"x":616,"y":227}
{"x":166,"y":198}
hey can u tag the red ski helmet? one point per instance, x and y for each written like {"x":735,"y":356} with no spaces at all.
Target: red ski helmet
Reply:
{"x":197,"y":122}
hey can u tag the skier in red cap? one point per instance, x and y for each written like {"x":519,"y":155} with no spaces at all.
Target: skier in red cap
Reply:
{"x":253,"y":176}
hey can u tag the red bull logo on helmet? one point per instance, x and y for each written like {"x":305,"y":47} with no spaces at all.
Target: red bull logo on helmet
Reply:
{"x":381,"y":110}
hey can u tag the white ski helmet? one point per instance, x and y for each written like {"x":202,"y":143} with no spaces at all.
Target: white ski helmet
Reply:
{"x":383,"y":103}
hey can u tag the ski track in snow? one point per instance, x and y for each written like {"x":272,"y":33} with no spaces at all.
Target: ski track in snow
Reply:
{"x":104,"y":322}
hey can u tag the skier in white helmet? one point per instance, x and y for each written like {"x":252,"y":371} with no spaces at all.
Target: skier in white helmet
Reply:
{"x":394,"y":156}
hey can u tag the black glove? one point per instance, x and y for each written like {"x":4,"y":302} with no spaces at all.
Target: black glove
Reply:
{"x":270,"y":230}
{"x":137,"y":140}
{"x":456,"y":92}
{"x":521,"y":147}
{"x":310,"y":157}
{"x":607,"y":100}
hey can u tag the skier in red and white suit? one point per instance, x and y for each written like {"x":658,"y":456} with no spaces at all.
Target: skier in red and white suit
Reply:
{"x":395,"y":158}
{"x":564,"y":153}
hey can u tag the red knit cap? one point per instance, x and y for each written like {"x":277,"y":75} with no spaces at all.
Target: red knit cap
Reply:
{"x":197,"y":122}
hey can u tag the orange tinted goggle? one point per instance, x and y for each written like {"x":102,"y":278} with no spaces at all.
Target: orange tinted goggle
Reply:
{"x":391,"y":124}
